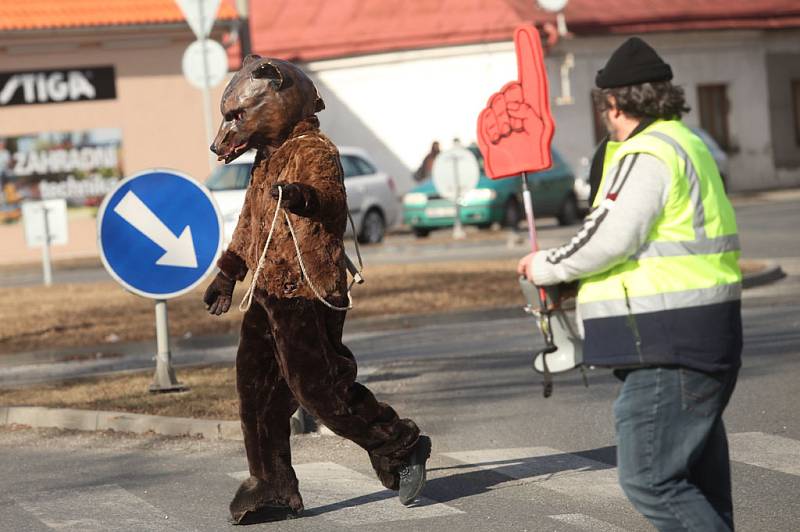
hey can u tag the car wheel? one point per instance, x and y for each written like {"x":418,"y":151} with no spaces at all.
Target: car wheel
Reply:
{"x":373,"y":228}
{"x":512,"y":213}
{"x":568,"y":214}
{"x":419,"y":232}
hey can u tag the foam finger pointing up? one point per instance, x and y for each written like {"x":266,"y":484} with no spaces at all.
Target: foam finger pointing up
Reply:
{"x":530,"y":67}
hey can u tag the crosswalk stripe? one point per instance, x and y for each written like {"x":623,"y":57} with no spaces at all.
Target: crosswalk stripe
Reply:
{"x":108,"y":508}
{"x":562,"y":472}
{"x":347,"y":497}
{"x":765,"y":450}
{"x":585,"y":522}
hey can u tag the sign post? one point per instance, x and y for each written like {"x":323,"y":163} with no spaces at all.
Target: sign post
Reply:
{"x":47,"y":271}
{"x":455,"y":172}
{"x":45,"y":224}
{"x":159,"y":235}
{"x":204,"y":59}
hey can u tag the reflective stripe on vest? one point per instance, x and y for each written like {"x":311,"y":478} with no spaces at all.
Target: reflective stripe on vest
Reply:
{"x":662,"y":301}
{"x":691,"y":256}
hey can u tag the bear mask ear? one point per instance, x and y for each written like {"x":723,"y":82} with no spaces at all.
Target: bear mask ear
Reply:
{"x":271,"y":73}
{"x":250,"y":58}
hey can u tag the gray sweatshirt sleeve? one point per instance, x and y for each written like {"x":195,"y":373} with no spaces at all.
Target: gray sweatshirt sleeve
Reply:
{"x":633,"y":198}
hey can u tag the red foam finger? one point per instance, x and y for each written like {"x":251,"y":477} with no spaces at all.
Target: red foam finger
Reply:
{"x":533,"y":79}
{"x":488,"y":126}
{"x":523,"y":112}
{"x":513,"y":93}
{"x":498,"y":105}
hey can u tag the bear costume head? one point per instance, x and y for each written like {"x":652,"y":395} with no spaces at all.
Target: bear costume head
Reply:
{"x":261,"y":105}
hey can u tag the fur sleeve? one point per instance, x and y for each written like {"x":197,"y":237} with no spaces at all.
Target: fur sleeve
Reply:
{"x":323,"y":172}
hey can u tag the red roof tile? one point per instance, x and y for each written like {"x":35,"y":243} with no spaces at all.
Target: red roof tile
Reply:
{"x":320,"y":29}
{"x":53,"y":14}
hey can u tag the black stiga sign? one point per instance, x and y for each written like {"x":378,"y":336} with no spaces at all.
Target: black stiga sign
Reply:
{"x":57,"y":86}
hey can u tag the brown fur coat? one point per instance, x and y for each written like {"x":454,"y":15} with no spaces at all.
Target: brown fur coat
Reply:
{"x":309,"y":158}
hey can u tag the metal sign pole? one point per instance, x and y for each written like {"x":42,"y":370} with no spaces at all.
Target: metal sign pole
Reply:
{"x":458,"y":229}
{"x":46,"y":266}
{"x":164,"y":379}
{"x":206,"y":90}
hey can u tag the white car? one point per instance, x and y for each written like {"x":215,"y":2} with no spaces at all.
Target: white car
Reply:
{"x":371,"y":194}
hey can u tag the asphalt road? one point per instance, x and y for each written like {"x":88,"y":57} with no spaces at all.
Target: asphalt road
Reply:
{"x":504,"y":457}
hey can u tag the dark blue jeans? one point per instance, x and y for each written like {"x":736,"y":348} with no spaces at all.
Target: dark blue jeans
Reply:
{"x":672,"y":451}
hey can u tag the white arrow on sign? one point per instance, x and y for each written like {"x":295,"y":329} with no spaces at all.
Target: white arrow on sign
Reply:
{"x":179,"y":250}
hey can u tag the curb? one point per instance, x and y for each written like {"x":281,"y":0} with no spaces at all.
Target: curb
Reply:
{"x":98,"y":420}
{"x":772,"y":272}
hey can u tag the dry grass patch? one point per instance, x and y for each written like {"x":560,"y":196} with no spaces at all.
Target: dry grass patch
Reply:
{"x":211,"y":395}
{"x":68,"y":315}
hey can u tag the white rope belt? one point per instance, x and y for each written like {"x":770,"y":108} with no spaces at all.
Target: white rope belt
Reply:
{"x":247,"y":300}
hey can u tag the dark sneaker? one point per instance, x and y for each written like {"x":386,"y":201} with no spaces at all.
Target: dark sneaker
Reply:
{"x":412,"y":474}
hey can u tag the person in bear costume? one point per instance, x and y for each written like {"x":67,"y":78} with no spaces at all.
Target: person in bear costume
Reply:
{"x":290,"y":351}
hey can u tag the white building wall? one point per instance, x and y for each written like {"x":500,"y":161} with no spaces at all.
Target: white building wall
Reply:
{"x":395,"y":104}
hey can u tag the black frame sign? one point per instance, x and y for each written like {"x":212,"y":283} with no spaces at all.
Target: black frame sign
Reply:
{"x":61,"y":85}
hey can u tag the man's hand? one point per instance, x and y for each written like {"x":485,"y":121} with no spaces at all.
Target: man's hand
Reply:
{"x":219,"y":294}
{"x":516,"y":128}
{"x":525,"y":266}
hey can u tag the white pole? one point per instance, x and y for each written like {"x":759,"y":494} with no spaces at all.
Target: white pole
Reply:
{"x":206,"y":91}
{"x":46,"y":266}
{"x":164,"y":379}
{"x":458,"y":230}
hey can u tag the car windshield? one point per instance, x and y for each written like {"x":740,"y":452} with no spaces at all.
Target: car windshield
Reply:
{"x":229,"y":177}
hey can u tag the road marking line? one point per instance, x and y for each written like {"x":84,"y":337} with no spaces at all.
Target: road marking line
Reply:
{"x":771,"y":452}
{"x":350,"y":498}
{"x":585,"y":522}
{"x":106,"y":508}
{"x":555,"y":470}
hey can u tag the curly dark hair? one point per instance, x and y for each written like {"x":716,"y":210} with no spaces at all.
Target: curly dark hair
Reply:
{"x":658,"y":99}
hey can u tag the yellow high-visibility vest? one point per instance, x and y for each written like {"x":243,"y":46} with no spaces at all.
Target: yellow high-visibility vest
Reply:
{"x":690,"y":257}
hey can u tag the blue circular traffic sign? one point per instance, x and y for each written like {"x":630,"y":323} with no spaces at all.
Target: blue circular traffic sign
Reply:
{"x":159,"y":233}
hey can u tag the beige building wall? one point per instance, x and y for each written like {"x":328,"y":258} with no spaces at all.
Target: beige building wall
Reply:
{"x":159,"y":112}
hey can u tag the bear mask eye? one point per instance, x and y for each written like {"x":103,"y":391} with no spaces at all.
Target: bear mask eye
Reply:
{"x":269,"y":72}
{"x":237,"y":114}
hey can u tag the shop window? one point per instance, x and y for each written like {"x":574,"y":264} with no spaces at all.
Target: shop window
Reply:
{"x":713,"y":103}
{"x":796,"y":109}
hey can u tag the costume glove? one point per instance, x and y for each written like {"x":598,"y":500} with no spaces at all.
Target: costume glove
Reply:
{"x":219,"y":294}
{"x":297,"y":198}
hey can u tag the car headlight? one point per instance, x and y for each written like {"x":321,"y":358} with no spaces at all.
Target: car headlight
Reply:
{"x":415,"y":198}
{"x":480,"y":194}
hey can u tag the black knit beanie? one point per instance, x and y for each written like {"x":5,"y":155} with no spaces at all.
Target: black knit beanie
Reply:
{"x":632,"y":63}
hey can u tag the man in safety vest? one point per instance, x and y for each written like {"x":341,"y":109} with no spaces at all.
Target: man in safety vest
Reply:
{"x":659,"y":295}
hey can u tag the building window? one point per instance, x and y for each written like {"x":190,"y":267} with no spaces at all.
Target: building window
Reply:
{"x":713,"y":103}
{"x":796,"y":109}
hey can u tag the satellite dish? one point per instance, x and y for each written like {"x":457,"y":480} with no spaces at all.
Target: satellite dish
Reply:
{"x":552,"y":5}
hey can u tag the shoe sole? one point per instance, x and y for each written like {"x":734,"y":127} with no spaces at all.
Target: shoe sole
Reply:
{"x":423,"y":452}
{"x":267,"y":514}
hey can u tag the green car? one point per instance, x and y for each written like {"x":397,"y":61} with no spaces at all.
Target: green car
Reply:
{"x":494,"y":200}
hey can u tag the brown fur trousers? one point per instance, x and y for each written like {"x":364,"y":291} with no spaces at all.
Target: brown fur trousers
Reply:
{"x":291,"y":353}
